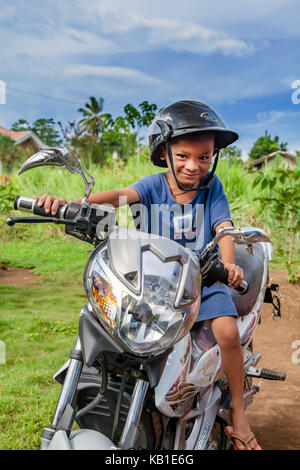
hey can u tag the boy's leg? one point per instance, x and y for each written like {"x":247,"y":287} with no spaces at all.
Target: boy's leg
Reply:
{"x":227,"y":336}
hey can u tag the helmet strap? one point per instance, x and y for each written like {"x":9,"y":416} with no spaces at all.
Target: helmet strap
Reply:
{"x":207,"y":180}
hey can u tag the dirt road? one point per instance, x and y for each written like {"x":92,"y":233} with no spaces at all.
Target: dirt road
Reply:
{"x":274,"y":414}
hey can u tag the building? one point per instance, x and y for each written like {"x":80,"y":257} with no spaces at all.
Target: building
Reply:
{"x":265,"y":162}
{"x":28,"y":141}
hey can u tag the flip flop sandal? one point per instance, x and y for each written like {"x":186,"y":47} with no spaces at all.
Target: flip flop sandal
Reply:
{"x":245,"y":441}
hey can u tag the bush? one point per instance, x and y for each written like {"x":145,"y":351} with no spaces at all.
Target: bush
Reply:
{"x":8,"y":192}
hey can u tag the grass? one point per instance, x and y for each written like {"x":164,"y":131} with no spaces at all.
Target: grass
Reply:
{"x":39,"y":328}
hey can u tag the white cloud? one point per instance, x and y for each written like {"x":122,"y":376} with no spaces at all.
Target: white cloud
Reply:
{"x":67,"y":40}
{"x":192,"y":37}
{"x":268,"y":118}
{"x":112,"y":72}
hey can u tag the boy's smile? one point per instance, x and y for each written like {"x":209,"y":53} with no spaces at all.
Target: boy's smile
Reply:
{"x":192,"y":156}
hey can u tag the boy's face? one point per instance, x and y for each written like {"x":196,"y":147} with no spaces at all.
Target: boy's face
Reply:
{"x":192,"y":156}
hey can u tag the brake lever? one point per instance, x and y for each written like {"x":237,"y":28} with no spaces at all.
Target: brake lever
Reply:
{"x":34,"y":220}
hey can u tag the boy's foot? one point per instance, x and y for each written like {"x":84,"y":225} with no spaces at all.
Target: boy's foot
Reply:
{"x":240,"y":433}
{"x":239,"y":442}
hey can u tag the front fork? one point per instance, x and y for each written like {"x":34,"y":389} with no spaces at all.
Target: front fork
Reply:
{"x":65,"y":412}
{"x":66,"y":407}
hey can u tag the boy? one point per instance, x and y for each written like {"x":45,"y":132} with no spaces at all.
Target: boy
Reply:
{"x":185,"y":137}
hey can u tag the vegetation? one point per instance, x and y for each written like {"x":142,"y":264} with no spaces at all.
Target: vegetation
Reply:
{"x":283,"y":202}
{"x":265,"y":145}
{"x":45,"y":129}
{"x":10,"y":155}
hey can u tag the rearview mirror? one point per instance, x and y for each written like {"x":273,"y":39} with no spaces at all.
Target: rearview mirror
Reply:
{"x":242,"y":236}
{"x":59,"y":156}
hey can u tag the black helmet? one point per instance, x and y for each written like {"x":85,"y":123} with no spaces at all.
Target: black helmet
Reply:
{"x":185,"y":117}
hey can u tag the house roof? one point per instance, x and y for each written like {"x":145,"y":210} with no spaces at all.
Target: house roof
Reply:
{"x":271,"y":155}
{"x":21,"y":136}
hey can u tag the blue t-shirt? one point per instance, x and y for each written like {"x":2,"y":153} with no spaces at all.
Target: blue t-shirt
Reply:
{"x":192,"y":225}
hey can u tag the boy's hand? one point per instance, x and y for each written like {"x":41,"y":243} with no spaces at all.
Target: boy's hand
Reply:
{"x":51,"y":203}
{"x":235,"y":274}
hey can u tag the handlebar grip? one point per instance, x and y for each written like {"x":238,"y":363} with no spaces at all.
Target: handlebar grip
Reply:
{"x":31,"y":205}
{"x":242,"y":288}
{"x":223,"y":277}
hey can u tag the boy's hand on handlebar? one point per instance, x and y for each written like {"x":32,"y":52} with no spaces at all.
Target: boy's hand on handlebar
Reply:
{"x":235,"y":275}
{"x":51,"y":204}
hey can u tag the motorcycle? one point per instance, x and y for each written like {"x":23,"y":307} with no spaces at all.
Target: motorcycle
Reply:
{"x":142,"y":374}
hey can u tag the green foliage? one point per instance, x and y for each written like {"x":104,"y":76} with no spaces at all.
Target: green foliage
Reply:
{"x":140,"y":118}
{"x":44,"y":128}
{"x":10,"y":155}
{"x":21,"y":125}
{"x":100,"y":135}
{"x":265,"y":145}
{"x":282,"y":199}
{"x":231,"y":153}
{"x":92,"y":121}
{"x":9,"y":190}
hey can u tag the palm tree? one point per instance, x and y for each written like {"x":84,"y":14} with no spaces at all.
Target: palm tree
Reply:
{"x":93,"y":121}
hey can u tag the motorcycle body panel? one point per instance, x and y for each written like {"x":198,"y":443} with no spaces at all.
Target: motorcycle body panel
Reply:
{"x":183,"y":377}
{"x":82,"y":439}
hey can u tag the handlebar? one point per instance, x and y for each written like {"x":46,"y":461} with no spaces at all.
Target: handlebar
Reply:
{"x":223,"y":277}
{"x":213,"y":270}
{"x":88,"y":222}
{"x":67,"y":212}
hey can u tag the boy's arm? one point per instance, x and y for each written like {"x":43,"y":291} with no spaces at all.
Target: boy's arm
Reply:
{"x":226,"y":246}
{"x":113,"y":197}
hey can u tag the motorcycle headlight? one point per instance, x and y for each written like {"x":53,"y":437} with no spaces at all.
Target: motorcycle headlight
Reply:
{"x":104,"y":299}
{"x":157,"y":317}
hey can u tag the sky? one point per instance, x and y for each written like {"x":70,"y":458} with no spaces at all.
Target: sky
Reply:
{"x":240,"y":57}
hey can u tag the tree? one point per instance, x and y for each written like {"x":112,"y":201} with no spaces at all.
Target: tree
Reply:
{"x":42,"y":127}
{"x":118,"y":137}
{"x":20,"y":125}
{"x":140,"y":118}
{"x":45,"y":130}
{"x":93,"y":121}
{"x":231,"y":153}
{"x":265,"y":145}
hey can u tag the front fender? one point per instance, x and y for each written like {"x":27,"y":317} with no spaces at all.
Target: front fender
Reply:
{"x":82,"y":439}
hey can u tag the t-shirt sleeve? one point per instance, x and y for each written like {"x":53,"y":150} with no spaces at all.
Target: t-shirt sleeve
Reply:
{"x":220,"y":211}
{"x":142,"y":188}
{"x":140,"y":211}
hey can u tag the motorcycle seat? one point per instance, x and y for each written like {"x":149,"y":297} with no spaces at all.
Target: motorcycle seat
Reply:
{"x":253,"y":267}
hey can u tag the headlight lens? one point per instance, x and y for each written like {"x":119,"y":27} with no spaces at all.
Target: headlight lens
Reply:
{"x":147,"y":323}
{"x":104,"y":299}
